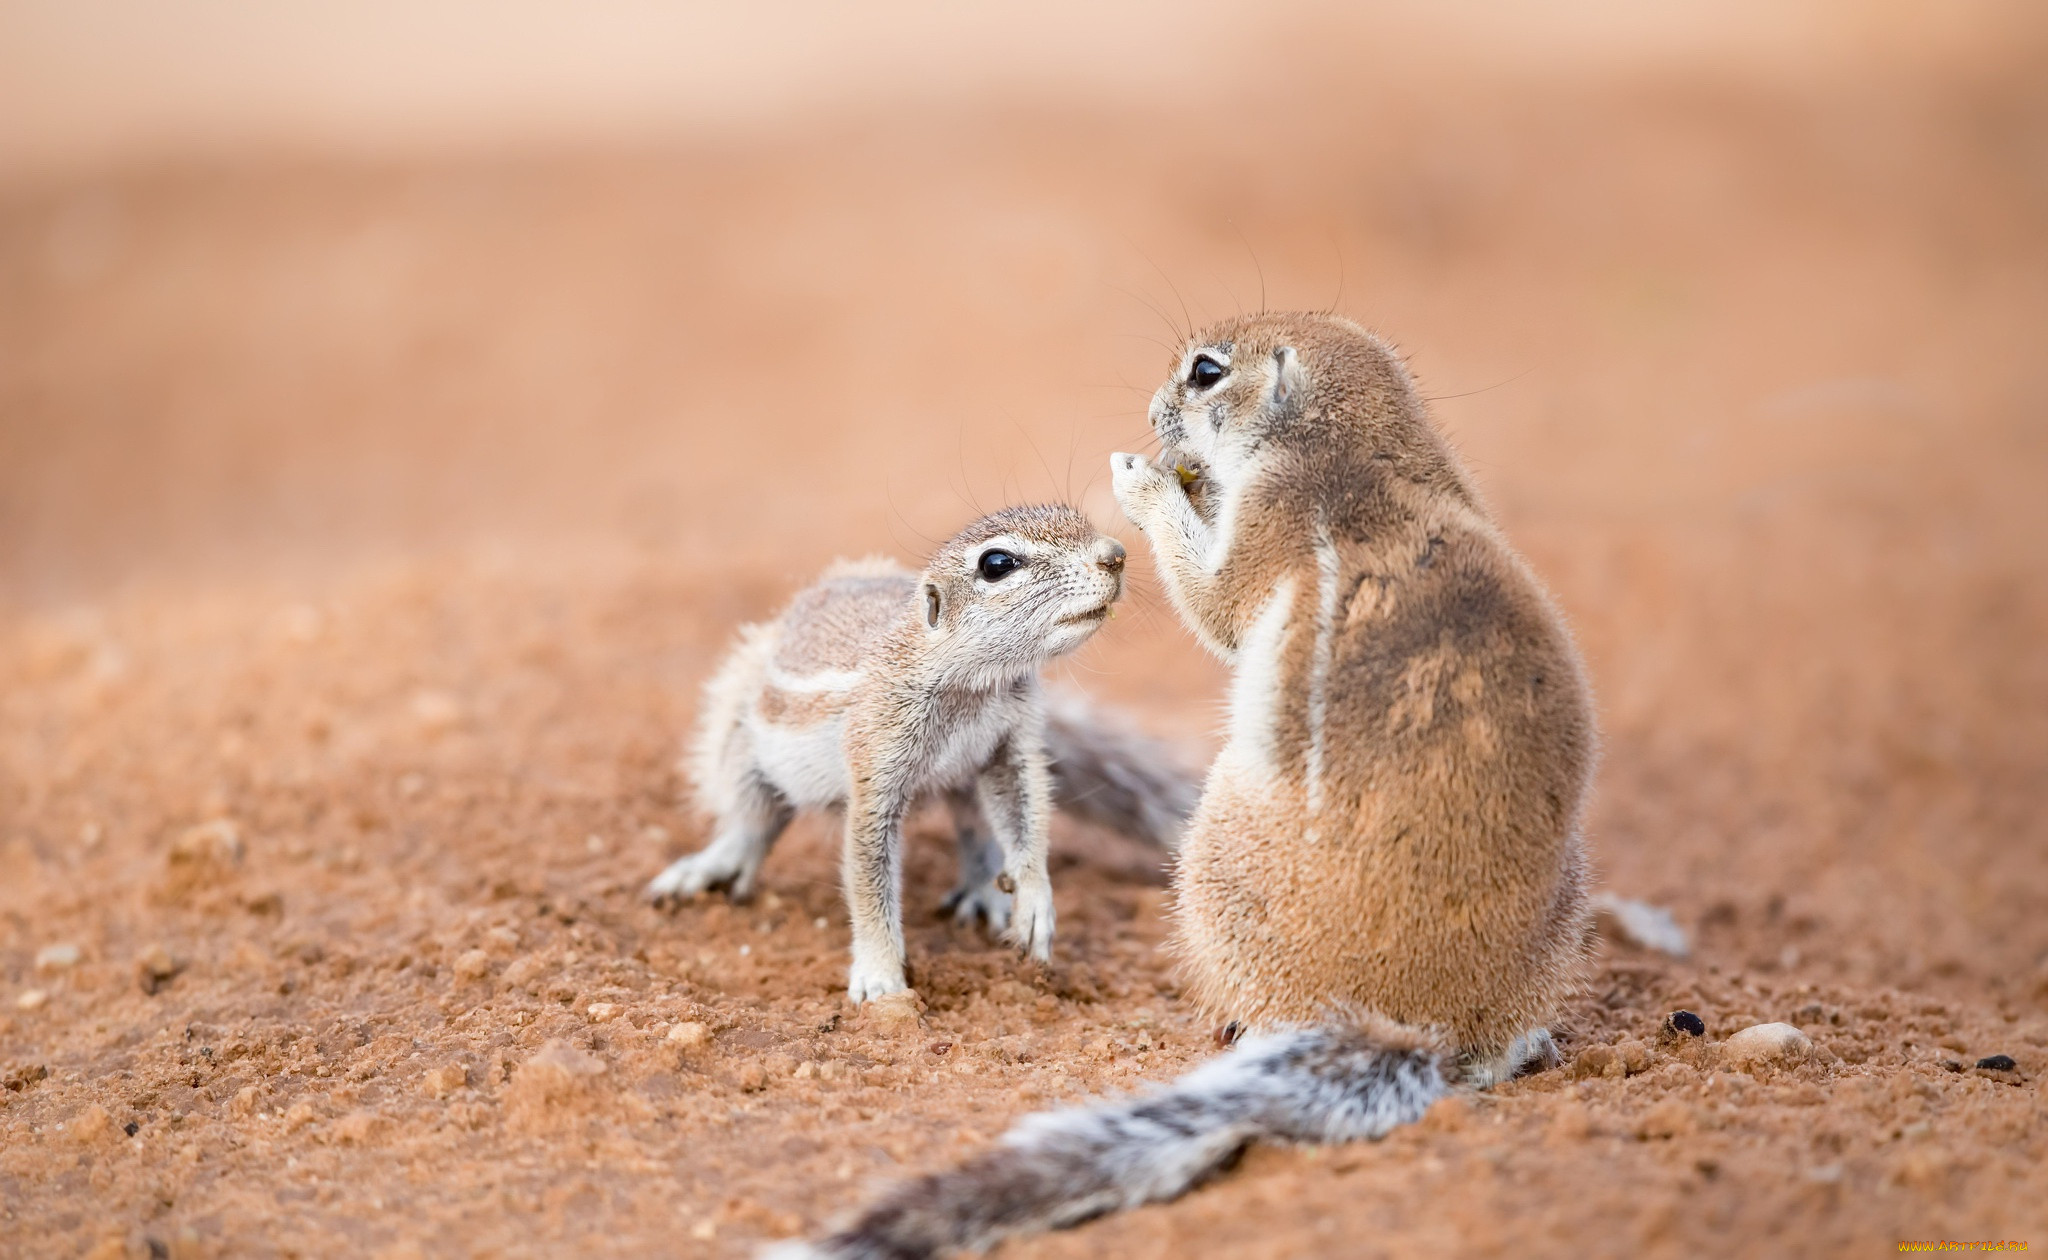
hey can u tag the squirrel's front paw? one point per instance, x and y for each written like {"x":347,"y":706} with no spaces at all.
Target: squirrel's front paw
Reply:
{"x":1137,"y":483}
{"x":1031,"y":918}
{"x":871,"y":978}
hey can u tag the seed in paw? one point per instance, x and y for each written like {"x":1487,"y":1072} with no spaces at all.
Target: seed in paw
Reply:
{"x":1686,"y":1023}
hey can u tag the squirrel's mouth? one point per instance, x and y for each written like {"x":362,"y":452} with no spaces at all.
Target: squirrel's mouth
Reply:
{"x":1093,"y":617}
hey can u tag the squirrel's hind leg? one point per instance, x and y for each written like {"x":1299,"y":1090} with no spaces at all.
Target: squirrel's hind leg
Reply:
{"x":975,"y":895}
{"x":732,"y":861}
{"x":1015,"y":793}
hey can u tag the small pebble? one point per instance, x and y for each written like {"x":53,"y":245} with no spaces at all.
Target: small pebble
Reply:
{"x":92,"y":1124}
{"x":903,"y":1009}
{"x":444,"y":1080}
{"x":154,"y":968}
{"x":689,"y":1035}
{"x":32,"y":999}
{"x":216,"y":843}
{"x":1766,"y":1043}
{"x":57,"y":957}
{"x":602,"y":1012}
{"x":1685,"y":1023}
{"x":473,"y":964}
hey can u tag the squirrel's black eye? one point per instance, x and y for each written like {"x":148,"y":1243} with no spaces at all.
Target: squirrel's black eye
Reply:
{"x":997,"y":564}
{"x":1205,"y":372}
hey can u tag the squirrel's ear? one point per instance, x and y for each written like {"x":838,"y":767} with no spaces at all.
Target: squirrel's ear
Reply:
{"x":1290,"y":379}
{"x":931,"y":605}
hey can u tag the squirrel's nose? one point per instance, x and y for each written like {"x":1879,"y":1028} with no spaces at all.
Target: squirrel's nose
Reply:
{"x":1112,"y":558}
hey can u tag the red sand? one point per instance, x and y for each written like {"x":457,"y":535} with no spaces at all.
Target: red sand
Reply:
{"x":391,"y":516}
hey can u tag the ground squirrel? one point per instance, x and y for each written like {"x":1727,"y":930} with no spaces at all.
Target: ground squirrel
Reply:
{"x":1384,"y":882}
{"x":878,"y":686}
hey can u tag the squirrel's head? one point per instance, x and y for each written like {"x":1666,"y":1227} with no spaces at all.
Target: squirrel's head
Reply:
{"x":1019,"y":587}
{"x":1306,"y":385}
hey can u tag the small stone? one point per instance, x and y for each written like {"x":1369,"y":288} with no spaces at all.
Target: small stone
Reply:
{"x":554,"y":1079}
{"x":689,"y":1035}
{"x":444,"y":1080}
{"x":358,"y":1128}
{"x":91,"y":1125}
{"x":473,"y":964}
{"x":131,"y":1128}
{"x":602,"y":1012}
{"x":155,"y":968}
{"x":1679,"y":1025}
{"x":1624,"y":1058}
{"x":20,"y":1078}
{"x":57,"y":957}
{"x":214,"y":843}
{"x":753,"y":1077}
{"x":895,"y":1010}
{"x":1766,"y":1044}
{"x":32,"y":1000}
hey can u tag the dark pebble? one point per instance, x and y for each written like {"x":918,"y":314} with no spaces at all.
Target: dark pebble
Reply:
{"x":131,"y":1128}
{"x":1998,"y":1063}
{"x":1686,"y":1022}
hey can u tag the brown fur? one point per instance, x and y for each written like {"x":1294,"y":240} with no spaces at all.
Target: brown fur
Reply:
{"x":1419,"y":855}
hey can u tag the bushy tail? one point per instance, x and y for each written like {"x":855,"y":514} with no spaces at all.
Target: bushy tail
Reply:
{"x":1330,"y":1084}
{"x":1107,"y":773}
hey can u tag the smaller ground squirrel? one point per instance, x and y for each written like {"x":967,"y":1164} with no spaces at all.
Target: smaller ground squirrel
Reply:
{"x":878,"y":686}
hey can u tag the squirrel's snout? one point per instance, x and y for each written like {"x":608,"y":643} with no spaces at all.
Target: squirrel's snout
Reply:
{"x":1110,"y":556}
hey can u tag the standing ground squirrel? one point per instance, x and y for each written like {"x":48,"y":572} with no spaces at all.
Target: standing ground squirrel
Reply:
{"x":878,"y":686}
{"x":1384,"y":882}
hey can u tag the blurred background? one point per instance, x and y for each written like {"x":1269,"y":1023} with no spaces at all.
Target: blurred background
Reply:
{"x":1737,"y":309}
{"x":473,"y":368}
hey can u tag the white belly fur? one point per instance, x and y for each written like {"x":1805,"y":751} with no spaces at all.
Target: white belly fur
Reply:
{"x":806,"y":763}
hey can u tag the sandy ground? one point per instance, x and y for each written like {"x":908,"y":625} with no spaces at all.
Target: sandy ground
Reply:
{"x":365,"y":530}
